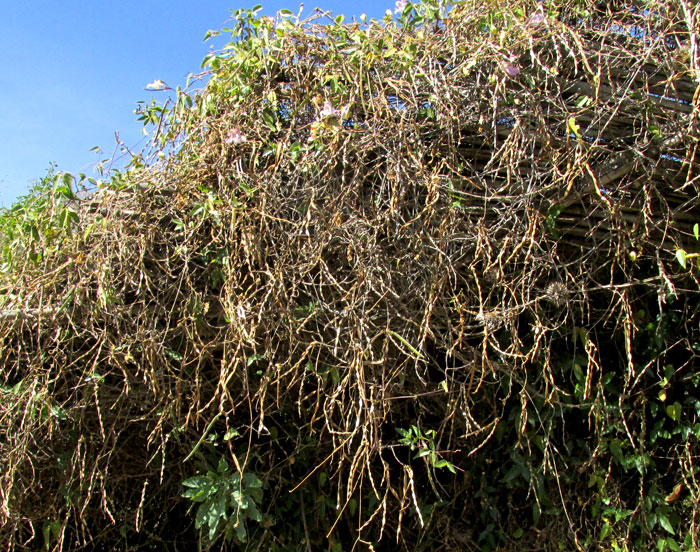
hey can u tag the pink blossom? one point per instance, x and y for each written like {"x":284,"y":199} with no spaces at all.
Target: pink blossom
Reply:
{"x":511,"y":69}
{"x":537,"y":18}
{"x":328,"y":110}
{"x":235,"y":136}
{"x":400,"y":6}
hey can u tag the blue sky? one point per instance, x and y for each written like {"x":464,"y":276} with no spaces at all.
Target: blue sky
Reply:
{"x":71,"y":73}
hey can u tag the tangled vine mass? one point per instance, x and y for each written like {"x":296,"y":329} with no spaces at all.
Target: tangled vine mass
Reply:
{"x":426,"y":283}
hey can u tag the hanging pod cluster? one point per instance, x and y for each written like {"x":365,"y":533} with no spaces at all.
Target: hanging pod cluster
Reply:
{"x":421,"y":283}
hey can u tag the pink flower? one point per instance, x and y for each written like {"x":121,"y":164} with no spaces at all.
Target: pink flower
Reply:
{"x":235,"y":136}
{"x":512,"y":69}
{"x":328,"y":110}
{"x":400,"y":6}
{"x":537,"y":18}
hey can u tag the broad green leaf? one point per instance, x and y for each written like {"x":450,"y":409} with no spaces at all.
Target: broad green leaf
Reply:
{"x":253,"y":512}
{"x":674,"y":411}
{"x":422,"y":452}
{"x":616,"y":450}
{"x":237,"y":498}
{"x":513,"y":472}
{"x":68,"y":180}
{"x":665,"y":523}
{"x":269,"y":118}
{"x":251,"y":480}
{"x":197,"y":481}
{"x":222,"y":466}
{"x":240,"y":532}
{"x":202,"y":516}
{"x":218,"y":507}
{"x":213,"y":525}
{"x":696,"y":231}
{"x":195,"y":495}
{"x":681,"y":256}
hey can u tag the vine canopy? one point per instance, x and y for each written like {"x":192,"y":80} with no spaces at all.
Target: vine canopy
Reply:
{"x":427,"y":282}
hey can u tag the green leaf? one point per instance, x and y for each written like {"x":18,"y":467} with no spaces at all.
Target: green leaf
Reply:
{"x":218,"y":507}
{"x":50,"y":529}
{"x":230,"y":434}
{"x":616,"y":450}
{"x":674,"y":411}
{"x":240,"y":532}
{"x":269,"y":118}
{"x":641,"y":461}
{"x":513,"y":472}
{"x":223,"y":465}
{"x":681,"y":256}
{"x":445,"y":464}
{"x":673,"y":545}
{"x":197,"y":481}
{"x":253,"y":512}
{"x":250,"y":480}
{"x":68,"y":180}
{"x":196,"y":495}
{"x":254,"y":358}
{"x":573,"y":127}
{"x":237,"y":499}
{"x":213,"y":527}
{"x":696,"y":231}
{"x":405,"y":433}
{"x":352,"y":506}
{"x":665,"y":523}
{"x":202,"y":516}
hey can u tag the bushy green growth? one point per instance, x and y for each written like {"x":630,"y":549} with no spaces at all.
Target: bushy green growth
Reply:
{"x":35,"y":223}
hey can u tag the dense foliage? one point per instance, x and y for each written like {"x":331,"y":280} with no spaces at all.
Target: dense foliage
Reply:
{"x":429,"y":283}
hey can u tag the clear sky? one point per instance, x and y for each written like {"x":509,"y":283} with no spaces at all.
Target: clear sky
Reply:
{"x":72,"y":71}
